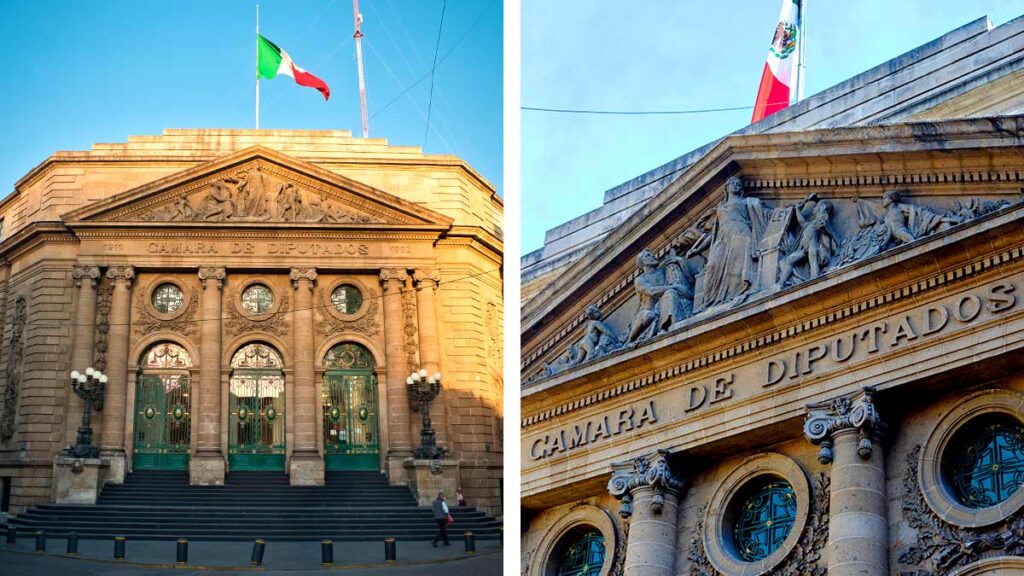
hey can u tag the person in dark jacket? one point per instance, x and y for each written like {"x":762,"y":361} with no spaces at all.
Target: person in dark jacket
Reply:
{"x":441,"y":517}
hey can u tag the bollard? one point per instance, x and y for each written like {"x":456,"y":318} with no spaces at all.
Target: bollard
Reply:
{"x":257,"y":551}
{"x":182,"y":556}
{"x":389,"y":550}
{"x":327,"y":552}
{"x":73,"y":543}
{"x":501,"y":535}
{"x":12,"y":535}
{"x":470,"y":542}
{"x":119,"y":547}
{"x":40,"y":541}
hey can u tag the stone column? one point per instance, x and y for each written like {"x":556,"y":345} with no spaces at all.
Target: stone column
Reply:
{"x":426,"y":284}
{"x":83,"y":343}
{"x":114,"y":403}
{"x":206,"y":467}
{"x":307,"y":467}
{"x":649,"y":493}
{"x":847,"y":430}
{"x":395,"y":372}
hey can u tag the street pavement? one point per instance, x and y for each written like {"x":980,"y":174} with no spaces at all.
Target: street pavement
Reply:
{"x":95,"y":557}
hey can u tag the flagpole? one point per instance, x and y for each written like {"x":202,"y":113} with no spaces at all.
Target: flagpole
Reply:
{"x":257,"y":66}
{"x":359,"y":65}
{"x":800,"y":63}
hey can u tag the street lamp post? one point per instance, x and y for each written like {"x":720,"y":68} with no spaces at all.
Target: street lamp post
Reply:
{"x":90,"y":387}
{"x":422,"y":389}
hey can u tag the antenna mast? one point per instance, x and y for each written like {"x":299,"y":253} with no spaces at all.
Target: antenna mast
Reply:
{"x":359,"y":63}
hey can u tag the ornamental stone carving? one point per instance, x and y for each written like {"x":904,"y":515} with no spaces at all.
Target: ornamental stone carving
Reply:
{"x":398,"y":274}
{"x":427,"y":278}
{"x":214,"y":274}
{"x":298,"y":274}
{"x":665,"y":294}
{"x":253,"y":195}
{"x":12,"y":380}
{"x":648,"y":471}
{"x":86,"y":273}
{"x":104,"y":297}
{"x":123,"y":273}
{"x":853,"y":412}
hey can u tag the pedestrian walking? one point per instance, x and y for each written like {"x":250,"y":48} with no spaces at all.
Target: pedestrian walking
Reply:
{"x":442,"y":518}
{"x":459,"y":497}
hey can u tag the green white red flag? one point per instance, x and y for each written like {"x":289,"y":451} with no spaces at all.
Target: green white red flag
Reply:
{"x":780,"y":70}
{"x":272,"y":61}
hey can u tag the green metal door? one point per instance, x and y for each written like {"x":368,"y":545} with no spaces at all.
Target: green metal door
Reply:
{"x":350,"y":421}
{"x":256,"y":421}
{"x":162,"y":422}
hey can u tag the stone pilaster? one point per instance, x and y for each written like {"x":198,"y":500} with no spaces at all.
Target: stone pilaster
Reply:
{"x":115,"y":403}
{"x":426,"y":284}
{"x":84,"y":341}
{"x":395,"y":373}
{"x":206,"y":467}
{"x":649,"y":494}
{"x":307,"y":466}
{"x":847,"y":431}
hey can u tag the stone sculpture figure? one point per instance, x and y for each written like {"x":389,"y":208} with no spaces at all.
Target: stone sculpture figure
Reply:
{"x":598,"y":338}
{"x":816,"y":243}
{"x":730,"y":274}
{"x":181,"y":210}
{"x":661,"y":304}
{"x":289,"y":202}
{"x":218,"y":204}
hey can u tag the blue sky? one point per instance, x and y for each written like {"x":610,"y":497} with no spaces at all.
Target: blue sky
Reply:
{"x":83,"y":72}
{"x":680,"y":55}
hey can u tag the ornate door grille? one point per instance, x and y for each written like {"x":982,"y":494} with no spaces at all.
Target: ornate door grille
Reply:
{"x":256,"y":407}
{"x":350,"y":409}
{"x":162,"y":422}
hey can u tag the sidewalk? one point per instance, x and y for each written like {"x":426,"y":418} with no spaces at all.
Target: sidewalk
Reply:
{"x":292,"y":558}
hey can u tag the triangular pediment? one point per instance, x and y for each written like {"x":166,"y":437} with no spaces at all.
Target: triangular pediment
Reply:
{"x":258,"y":185}
{"x":810,"y":207}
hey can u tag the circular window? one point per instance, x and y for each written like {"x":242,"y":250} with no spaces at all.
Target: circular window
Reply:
{"x":257,"y":299}
{"x":764,"y":516}
{"x":985,"y":461}
{"x":167,"y":298}
{"x":347,"y":299}
{"x":581,"y":552}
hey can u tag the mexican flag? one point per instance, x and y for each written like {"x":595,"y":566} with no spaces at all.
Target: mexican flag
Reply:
{"x":272,"y":61}
{"x":780,"y":69}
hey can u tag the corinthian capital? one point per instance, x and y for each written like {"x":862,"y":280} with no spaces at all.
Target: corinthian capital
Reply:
{"x":90,"y":274}
{"x":213,"y":274}
{"x":647,"y":471}
{"x":124,"y":273}
{"x":393,"y":274}
{"x":303,"y":273}
{"x":852,"y":412}
{"x":427,"y":278}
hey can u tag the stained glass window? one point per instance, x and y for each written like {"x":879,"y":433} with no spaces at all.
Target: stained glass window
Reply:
{"x":988,"y":465}
{"x":764,"y":520}
{"x":166,"y":356}
{"x":257,"y":299}
{"x":347,"y":299}
{"x":167,"y":298}
{"x":349,"y":356}
{"x":256,"y":356}
{"x":583,"y":557}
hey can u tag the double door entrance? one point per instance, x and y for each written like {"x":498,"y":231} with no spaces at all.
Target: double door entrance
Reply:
{"x":350,"y":421}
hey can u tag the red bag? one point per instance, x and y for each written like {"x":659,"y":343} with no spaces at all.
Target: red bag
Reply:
{"x":448,"y":520}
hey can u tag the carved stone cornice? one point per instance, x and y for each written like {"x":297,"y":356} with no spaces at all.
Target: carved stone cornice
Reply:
{"x":853,"y":412}
{"x":427,"y":278}
{"x":298,"y":274}
{"x":123,"y":273}
{"x":647,"y":471}
{"x":89,"y":273}
{"x":213,"y":275}
{"x":393,"y":275}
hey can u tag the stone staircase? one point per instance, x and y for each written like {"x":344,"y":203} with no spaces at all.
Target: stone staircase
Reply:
{"x":351,"y":506}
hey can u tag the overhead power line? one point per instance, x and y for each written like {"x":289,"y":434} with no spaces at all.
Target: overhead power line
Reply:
{"x":638,"y":112}
{"x":437,"y":46}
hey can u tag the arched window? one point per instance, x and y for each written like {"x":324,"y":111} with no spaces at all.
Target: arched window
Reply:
{"x":763,"y":518}
{"x":163,"y":416}
{"x":256,"y":405}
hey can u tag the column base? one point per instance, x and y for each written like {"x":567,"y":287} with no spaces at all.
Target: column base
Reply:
{"x":397,"y":476}
{"x":117,"y":466}
{"x":428,"y":477}
{"x":206,"y":469}
{"x":77,"y":480}
{"x":306,"y":469}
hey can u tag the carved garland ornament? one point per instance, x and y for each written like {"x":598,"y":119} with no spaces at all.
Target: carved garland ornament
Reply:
{"x":146,"y":322}
{"x":12,"y":381}
{"x":102,"y":337}
{"x":409,"y":331}
{"x":856,"y":411}
{"x":368,"y":324}
{"x":645,"y":471}
{"x":743,"y":247}
{"x":941,"y":548}
{"x":278,"y":323}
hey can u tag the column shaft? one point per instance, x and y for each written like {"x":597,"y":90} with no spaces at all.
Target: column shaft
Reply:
{"x":651,"y":550}
{"x":307,"y":467}
{"x":426,"y":283}
{"x":207,"y":467}
{"x":83,"y":343}
{"x":396,"y":369}
{"x":858,"y":530}
{"x":114,"y":404}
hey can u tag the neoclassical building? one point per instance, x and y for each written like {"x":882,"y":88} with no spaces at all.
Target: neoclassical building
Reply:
{"x":799,"y":350}
{"x":257,"y":300}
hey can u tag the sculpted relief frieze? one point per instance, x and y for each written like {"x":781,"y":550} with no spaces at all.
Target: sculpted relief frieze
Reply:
{"x":744,"y":247}
{"x":838,"y":355}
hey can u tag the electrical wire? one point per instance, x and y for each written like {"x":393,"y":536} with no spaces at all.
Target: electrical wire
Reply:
{"x":433,"y":67}
{"x":641,"y":112}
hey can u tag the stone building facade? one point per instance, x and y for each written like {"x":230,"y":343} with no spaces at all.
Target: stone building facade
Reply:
{"x":802,"y":355}
{"x":257,"y":300}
